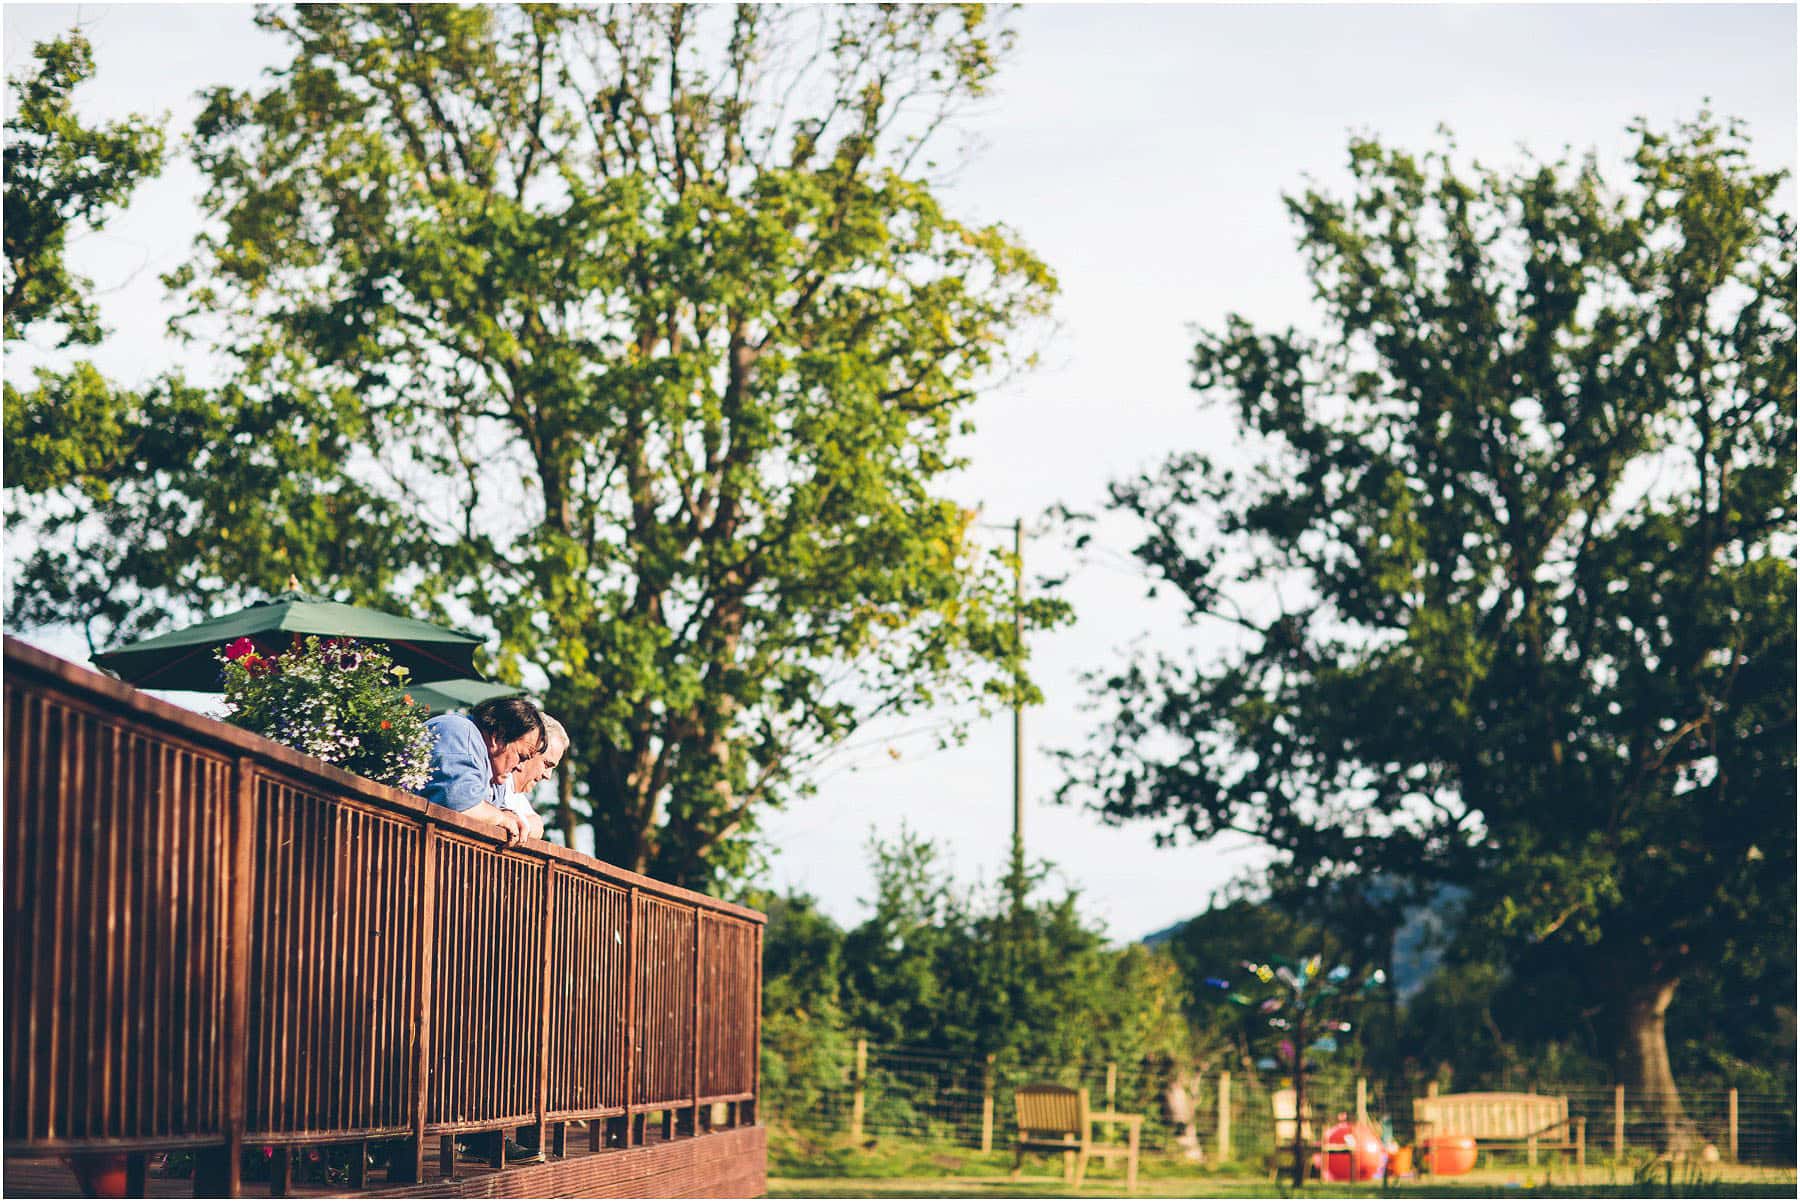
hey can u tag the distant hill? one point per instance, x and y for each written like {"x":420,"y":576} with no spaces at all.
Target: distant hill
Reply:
{"x":1418,"y":945}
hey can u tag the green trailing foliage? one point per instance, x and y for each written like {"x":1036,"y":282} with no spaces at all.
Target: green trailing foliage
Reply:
{"x":1511,"y":568}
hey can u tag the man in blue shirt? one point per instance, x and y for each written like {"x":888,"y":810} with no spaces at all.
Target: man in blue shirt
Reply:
{"x":471,"y":757}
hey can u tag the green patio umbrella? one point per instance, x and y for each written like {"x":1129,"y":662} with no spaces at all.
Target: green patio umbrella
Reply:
{"x":183,"y":659}
{"x":447,"y":695}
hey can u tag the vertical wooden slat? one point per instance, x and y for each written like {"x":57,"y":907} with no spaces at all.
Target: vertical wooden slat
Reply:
{"x":694,"y":1024}
{"x":550,"y":932}
{"x":340,"y":947}
{"x":140,"y":1017}
{"x":192,"y":949}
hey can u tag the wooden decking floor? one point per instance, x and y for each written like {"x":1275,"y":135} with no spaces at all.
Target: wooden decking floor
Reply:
{"x":50,"y":1178}
{"x":594,"y":1173}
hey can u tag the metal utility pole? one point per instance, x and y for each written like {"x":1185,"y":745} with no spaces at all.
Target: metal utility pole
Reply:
{"x":1018,"y":848}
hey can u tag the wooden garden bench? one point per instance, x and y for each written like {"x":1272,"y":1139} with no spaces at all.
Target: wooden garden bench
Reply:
{"x":1056,"y":1118}
{"x":1281,"y":1159}
{"x":1528,"y":1120}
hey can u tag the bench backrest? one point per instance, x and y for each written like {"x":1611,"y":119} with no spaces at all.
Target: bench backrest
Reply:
{"x":1045,"y":1107}
{"x":1281,"y":1102}
{"x":1494,"y":1115}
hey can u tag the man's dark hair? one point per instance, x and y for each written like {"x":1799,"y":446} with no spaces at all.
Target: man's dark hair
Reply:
{"x":508,"y":719}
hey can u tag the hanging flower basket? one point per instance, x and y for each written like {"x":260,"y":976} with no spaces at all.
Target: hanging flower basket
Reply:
{"x":336,"y":699}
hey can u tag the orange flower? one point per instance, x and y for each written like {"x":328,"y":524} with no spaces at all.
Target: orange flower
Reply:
{"x":385,"y":724}
{"x":409,"y":699}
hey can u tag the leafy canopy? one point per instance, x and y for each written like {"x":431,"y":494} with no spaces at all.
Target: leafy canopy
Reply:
{"x":1511,"y":568}
{"x":73,"y":432}
{"x":637,"y":335}
{"x":62,"y":177}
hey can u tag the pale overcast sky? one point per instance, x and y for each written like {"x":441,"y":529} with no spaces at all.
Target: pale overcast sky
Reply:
{"x":1142,"y":151}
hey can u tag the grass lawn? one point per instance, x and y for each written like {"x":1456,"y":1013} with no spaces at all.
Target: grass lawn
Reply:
{"x":1735,"y":1183}
{"x":805,"y":1166}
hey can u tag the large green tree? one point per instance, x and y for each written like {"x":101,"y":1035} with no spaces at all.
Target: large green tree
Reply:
{"x":967,"y":972}
{"x":65,"y":177}
{"x":1505,"y":562}
{"x":636,"y":334}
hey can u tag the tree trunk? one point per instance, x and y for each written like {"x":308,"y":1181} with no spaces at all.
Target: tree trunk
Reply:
{"x":1643,"y":1061}
{"x":619,"y":837}
{"x":565,"y":804}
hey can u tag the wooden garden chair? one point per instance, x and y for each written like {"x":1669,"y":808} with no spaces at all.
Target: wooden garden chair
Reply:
{"x":1056,"y":1118}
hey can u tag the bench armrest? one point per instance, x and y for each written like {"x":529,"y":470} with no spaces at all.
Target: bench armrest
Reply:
{"x":1113,"y":1116}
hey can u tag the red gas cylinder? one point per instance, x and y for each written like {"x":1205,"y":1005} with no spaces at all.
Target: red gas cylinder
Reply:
{"x":1450,"y":1155}
{"x":1353,"y":1152}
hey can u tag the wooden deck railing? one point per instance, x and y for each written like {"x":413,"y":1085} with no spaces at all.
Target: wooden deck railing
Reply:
{"x":213,"y":940}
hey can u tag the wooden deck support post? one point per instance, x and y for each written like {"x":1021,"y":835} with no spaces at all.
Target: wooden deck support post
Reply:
{"x":1618,"y":1122}
{"x":225,"y":1172}
{"x":748,"y":1111}
{"x":409,"y":1164}
{"x":545,"y":930}
{"x":633,"y":962}
{"x":1731,"y":1121}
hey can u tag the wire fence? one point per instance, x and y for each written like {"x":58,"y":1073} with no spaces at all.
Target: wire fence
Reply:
{"x":870,"y":1091}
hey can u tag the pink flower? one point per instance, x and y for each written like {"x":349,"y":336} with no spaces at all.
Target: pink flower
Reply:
{"x":239,"y":648}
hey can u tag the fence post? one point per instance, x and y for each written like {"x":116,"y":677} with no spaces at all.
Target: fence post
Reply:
{"x":987,"y":1106}
{"x":1224,"y":1118}
{"x":856,"y":1099}
{"x":1618,"y":1122}
{"x":1531,"y":1143}
{"x":1362,"y":1099}
{"x":1731,"y":1121}
{"x":1112,"y":1091}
